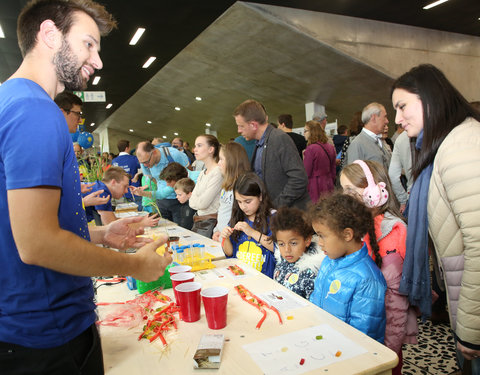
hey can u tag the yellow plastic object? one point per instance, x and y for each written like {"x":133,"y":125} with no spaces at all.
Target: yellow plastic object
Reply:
{"x":160,"y":250}
{"x":199,"y":263}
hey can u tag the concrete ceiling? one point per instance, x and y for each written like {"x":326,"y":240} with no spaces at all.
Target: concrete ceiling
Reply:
{"x":248,"y":53}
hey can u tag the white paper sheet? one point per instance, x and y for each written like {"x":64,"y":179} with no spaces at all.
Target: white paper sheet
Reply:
{"x":282,"y":300}
{"x":283,"y":354}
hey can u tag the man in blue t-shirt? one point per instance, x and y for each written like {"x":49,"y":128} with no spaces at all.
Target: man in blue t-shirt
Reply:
{"x":131,"y":165}
{"x":47,"y":313}
{"x":153,"y":160}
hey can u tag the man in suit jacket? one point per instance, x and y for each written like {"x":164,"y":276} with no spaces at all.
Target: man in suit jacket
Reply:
{"x":368,"y":145}
{"x":275,"y":159}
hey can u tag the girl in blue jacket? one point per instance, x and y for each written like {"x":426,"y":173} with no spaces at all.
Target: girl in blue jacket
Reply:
{"x":349,"y":284}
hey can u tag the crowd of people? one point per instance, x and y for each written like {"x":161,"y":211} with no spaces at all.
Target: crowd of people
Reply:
{"x":267,"y":197}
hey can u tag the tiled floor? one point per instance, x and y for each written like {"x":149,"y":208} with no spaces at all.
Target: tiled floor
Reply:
{"x":434,"y":354}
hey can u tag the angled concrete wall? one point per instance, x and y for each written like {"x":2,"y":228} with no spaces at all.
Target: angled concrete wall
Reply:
{"x":390,"y":48}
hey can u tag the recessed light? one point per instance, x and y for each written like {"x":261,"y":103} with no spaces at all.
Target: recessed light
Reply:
{"x":434,"y":4}
{"x":2,"y":35}
{"x":130,"y":130}
{"x":92,"y":124}
{"x":197,"y":98}
{"x":137,"y":36}
{"x":208,"y":124}
{"x":96,"y":80}
{"x":149,"y":122}
{"x":109,"y":105}
{"x":164,"y":137}
{"x":175,"y":133}
{"x":177,"y":108}
{"x":149,"y":62}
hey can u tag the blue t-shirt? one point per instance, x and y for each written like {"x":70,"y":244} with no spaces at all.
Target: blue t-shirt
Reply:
{"x":130,"y":164}
{"x":252,"y":253}
{"x":155,"y":170}
{"x":99,"y":185}
{"x":39,"y":308}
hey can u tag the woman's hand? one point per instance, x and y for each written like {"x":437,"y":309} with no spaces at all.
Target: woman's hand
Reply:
{"x":468,"y":353}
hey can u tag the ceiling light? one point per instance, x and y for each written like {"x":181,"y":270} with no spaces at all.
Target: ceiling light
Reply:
{"x":149,"y":62}
{"x":197,"y":98}
{"x":434,"y":4}
{"x":2,"y":35}
{"x":177,"y":108}
{"x":109,"y":105}
{"x":96,"y":80}
{"x":149,"y":122}
{"x":175,"y":133}
{"x":164,"y":137}
{"x":92,"y":124}
{"x":130,"y":130}
{"x":137,"y":36}
{"x":208,"y":124}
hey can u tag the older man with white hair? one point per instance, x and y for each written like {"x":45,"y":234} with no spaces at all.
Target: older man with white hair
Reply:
{"x":368,"y":145}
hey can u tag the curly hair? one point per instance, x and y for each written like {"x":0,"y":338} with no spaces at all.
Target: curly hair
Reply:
{"x":339,"y":212}
{"x":291,"y":218}
{"x":250,"y":184}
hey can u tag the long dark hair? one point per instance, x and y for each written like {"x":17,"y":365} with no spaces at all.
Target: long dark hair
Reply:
{"x":443,"y":109}
{"x":250,"y":184}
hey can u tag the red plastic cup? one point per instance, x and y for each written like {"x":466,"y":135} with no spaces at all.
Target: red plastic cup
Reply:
{"x":180,"y":278}
{"x":179,"y":269}
{"x":189,"y":298}
{"x":215,"y":304}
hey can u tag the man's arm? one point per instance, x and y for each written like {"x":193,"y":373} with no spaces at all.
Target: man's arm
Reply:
{"x":107,"y":216}
{"x":40,"y":241}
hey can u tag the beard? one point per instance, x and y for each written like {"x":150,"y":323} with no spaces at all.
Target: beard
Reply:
{"x":66,"y":67}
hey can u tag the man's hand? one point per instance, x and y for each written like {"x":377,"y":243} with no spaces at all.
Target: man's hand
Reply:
{"x":122,"y":233}
{"x":150,"y":221}
{"x":140,"y":191}
{"x":85,"y":188}
{"x":93,"y":199}
{"x":151,"y":265}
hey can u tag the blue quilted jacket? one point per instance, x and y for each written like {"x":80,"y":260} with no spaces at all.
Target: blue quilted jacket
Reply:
{"x":352,"y":288}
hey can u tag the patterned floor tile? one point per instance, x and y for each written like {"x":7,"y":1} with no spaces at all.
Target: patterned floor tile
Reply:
{"x":434,"y":354}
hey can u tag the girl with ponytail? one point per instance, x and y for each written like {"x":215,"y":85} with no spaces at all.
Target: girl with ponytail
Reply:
{"x":368,"y":182}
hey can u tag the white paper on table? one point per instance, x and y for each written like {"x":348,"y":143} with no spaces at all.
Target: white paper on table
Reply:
{"x":282,"y":300}
{"x":282,"y":354}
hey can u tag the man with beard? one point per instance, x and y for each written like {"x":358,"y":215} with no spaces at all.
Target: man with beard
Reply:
{"x":47,"y":313}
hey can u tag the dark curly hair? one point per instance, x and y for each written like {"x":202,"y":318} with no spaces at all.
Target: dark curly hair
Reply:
{"x":340,"y":211}
{"x":291,"y":218}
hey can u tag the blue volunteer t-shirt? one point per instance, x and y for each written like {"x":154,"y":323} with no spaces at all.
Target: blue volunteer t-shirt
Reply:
{"x":99,"y":185}
{"x":252,"y":253}
{"x":155,"y":170}
{"x":130,"y":164}
{"x":39,"y":308}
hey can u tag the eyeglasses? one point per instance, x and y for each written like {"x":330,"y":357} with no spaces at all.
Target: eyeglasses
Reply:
{"x":79,"y":114}
{"x":149,"y":159}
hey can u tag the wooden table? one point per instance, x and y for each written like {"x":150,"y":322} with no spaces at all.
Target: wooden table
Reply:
{"x":125,"y":355}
